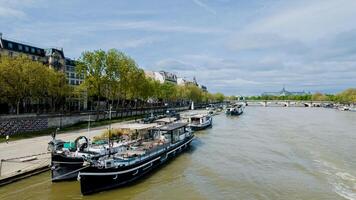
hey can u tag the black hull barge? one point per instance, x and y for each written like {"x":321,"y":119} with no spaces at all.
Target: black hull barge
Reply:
{"x":125,"y":167}
{"x":67,"y":158}
{"x":65,"y":168}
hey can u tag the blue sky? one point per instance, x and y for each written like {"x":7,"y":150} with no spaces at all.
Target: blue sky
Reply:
{"x":231,"y":46}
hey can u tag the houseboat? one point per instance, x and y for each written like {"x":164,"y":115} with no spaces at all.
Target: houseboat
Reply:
{"x":155,"y":148}
{"x":67,"y":158}
{"x":236,"y":109}
{"x":200,"y":122}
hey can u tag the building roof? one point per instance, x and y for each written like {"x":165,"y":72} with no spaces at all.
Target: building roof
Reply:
{"x":50,"y":51}
{"x":283,"y":92}
{"x":70,"y":62}
{"x":21,"y":47}
{"x":168,"y":76}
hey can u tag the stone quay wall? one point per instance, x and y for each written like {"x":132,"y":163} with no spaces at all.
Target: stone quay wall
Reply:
{"x":14,"y":124}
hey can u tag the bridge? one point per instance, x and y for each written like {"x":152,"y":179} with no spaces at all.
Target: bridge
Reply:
{"x":286,"y":103}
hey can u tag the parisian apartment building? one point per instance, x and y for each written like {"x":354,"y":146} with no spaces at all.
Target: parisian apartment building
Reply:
{"x":52,"y":57}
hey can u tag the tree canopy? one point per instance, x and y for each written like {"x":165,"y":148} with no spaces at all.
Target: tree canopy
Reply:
{"x":22,"y":79}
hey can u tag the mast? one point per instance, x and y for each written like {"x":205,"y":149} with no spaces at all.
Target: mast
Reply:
{"x":110,"y":107}
{"x":89,"y":126}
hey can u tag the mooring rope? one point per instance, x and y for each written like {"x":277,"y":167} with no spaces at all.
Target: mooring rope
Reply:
{"x":77,"y":170}
{"x":16,"y":158}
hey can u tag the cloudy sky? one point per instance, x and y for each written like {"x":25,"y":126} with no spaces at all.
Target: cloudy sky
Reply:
{"x":231,"y":46}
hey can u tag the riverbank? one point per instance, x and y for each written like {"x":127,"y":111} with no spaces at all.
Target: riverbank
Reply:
{"x":12,"y":125}
{"x":24,"y":156}
{"x":75,"y":127}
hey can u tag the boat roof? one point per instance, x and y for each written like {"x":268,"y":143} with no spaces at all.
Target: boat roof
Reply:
{"x":172,"y":126}
{"x":199,"y":116}
{"x":167,"y":119}
{"x":135,"y":126}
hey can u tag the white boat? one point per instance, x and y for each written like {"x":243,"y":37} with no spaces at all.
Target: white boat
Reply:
{"x":200,"y":121}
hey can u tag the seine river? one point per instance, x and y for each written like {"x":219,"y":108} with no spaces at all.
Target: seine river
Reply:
{"x":266,"y":153}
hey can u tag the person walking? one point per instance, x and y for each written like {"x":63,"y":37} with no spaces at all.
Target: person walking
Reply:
{"x":7,"y":139}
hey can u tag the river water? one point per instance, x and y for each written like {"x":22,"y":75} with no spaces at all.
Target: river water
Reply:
{"x":266,"y":153}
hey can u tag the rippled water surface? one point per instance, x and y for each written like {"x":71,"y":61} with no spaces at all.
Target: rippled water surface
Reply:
{"x":267,"y":153}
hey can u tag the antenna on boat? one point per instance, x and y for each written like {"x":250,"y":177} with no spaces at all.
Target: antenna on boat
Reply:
{"x":109,"y":143}
{"x":89,"y":126}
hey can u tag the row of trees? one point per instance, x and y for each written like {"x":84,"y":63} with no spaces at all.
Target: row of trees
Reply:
{"x":347,"y":96}
{"x":115,"y":77}
{"x":23,"y":81}
{"x":109,"y":76}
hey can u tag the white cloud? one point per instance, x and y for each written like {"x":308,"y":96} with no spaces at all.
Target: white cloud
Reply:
{"x":309,"y":20}
{"x":15,"y":8}
{"x":204,"y":6}
{"x":8,"y":12}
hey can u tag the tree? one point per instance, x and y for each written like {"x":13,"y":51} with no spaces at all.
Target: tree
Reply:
{"x":23,"y":81}
{"x":347,"y":96}
{"x":319,"y":97}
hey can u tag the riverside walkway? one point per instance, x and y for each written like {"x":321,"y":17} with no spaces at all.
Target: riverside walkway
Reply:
{"x":22,"y":158}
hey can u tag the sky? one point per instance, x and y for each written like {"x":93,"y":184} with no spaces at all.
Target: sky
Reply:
{"x":237,"y":47}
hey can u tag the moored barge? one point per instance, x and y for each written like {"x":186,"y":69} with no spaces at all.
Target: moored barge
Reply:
{"x":156,"y":147}
{"x":67,"y":158}
{"x":200,"y":122}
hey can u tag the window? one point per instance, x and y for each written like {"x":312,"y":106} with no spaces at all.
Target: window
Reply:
{"x":72,"y":75}
{"x":77,"y":82}
{"x":9,"y":45}
{"x":20,"y":47}
{"x":27,"y":49}
{"x":72,"y":82}
{"x":32,"y":50}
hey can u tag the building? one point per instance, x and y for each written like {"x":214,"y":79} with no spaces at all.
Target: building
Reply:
{"x":162,"y":76}
{"x":52,"y":57}
{"x":12,"y":48}
{"x":181,"y":81}
{"x":203,"y":87}
{"x":283,"y":92}
{"x":72,"y":76}
{"x":184,"y":81}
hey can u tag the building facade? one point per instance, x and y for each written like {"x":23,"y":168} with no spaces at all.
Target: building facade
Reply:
{"x":162,"y":76}
{"x":72,"y":76}
{"x":283,"y":92}
{"x":51,"y":57}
